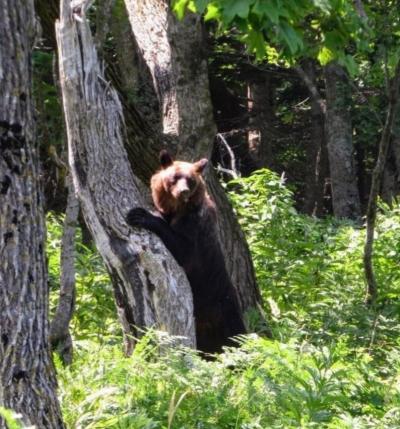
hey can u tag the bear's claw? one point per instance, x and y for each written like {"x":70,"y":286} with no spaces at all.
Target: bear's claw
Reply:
{"x":137,"y":216}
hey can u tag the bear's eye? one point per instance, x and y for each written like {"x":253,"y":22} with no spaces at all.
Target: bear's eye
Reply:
{"x":191,"y":182}
{"x":176,"y":178}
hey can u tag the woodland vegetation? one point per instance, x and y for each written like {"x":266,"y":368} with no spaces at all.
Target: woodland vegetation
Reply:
{"x":296,"y":103}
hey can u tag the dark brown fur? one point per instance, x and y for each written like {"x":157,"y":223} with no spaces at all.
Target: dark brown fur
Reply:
{"x":186,"y":222}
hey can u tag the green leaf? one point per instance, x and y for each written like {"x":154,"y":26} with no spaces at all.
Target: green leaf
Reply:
{"x":267,"y":9}
{"x":324,"y":5}
{"x":334,"y":40}
{"x":179,"y":7}
{"x":349,"y":63}
{"x":325,"y":55}
{"x":272,"y":54}
{"x":212,"y":12}
{"x":291,"y":38}
{"x":256,"y":43}
{"x":201,"y":5}
{"x":234,"y":8}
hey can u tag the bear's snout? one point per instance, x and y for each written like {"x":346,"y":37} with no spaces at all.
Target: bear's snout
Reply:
{"x":182,"y":189}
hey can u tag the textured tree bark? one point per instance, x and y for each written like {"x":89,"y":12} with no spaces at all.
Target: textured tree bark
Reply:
{"x":131,"y":78}
{"x":60,"y":337}
{"x":27,"y":376}
{"x":345,"y":195}
{"x":260,"y":107}
{"x":174,"y":53}
{"x":377,"y":174}
{"x":391,"y":174}
{"x":149,"y":287}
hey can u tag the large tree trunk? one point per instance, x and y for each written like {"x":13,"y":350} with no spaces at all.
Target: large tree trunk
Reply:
{"x":174,"y":53}
{"x":27,"y":377}
{"x":345,"y":195}
{"x":149,"y":287}
{"x":131,"y":78}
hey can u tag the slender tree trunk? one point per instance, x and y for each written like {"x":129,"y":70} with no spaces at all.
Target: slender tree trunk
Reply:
{"x":175,"y":56}
{"x":27,"y":376}
{"x":372,"y":287}
{"x":60,"y":336}
{"x":316,"y":152}
{"x":260,"y":107}
{"x":345,"y":195}
{"x":149,"y":287}
{"x":317,"y":160}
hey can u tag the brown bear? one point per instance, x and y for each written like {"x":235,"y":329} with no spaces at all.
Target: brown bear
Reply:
{"x":185,"y":221}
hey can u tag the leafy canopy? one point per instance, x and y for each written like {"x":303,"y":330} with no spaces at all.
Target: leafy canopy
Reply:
{"x":323,"y":29}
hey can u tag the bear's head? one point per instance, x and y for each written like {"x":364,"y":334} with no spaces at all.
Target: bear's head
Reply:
{"x":177,"y":184}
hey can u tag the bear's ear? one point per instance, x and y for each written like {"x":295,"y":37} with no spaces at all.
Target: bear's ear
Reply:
{"x":165,"y":159}
{"x":199,"y":166}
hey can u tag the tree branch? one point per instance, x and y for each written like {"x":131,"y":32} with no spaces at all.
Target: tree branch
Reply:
{"x":312,"y":88}
{"x":60,"y":337}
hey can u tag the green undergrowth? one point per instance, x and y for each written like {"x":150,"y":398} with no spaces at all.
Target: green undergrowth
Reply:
{"x":332,"y":362}
{"x":95,"y":314}
{"x":262,"y":384}
{"x":310,"y":270}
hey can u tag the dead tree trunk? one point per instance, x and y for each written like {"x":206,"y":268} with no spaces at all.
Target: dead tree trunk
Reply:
{"x":149,"y":287}
{"x":345,"y":195}
{"x":174,"y":53}
{"x":27,"y":377}
{"x":60,"y":337}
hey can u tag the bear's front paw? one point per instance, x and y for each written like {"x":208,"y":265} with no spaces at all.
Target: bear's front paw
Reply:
{"x":138,"y":217}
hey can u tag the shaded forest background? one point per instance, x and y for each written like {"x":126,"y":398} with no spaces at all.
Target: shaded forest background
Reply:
{"x":264,"y":111}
